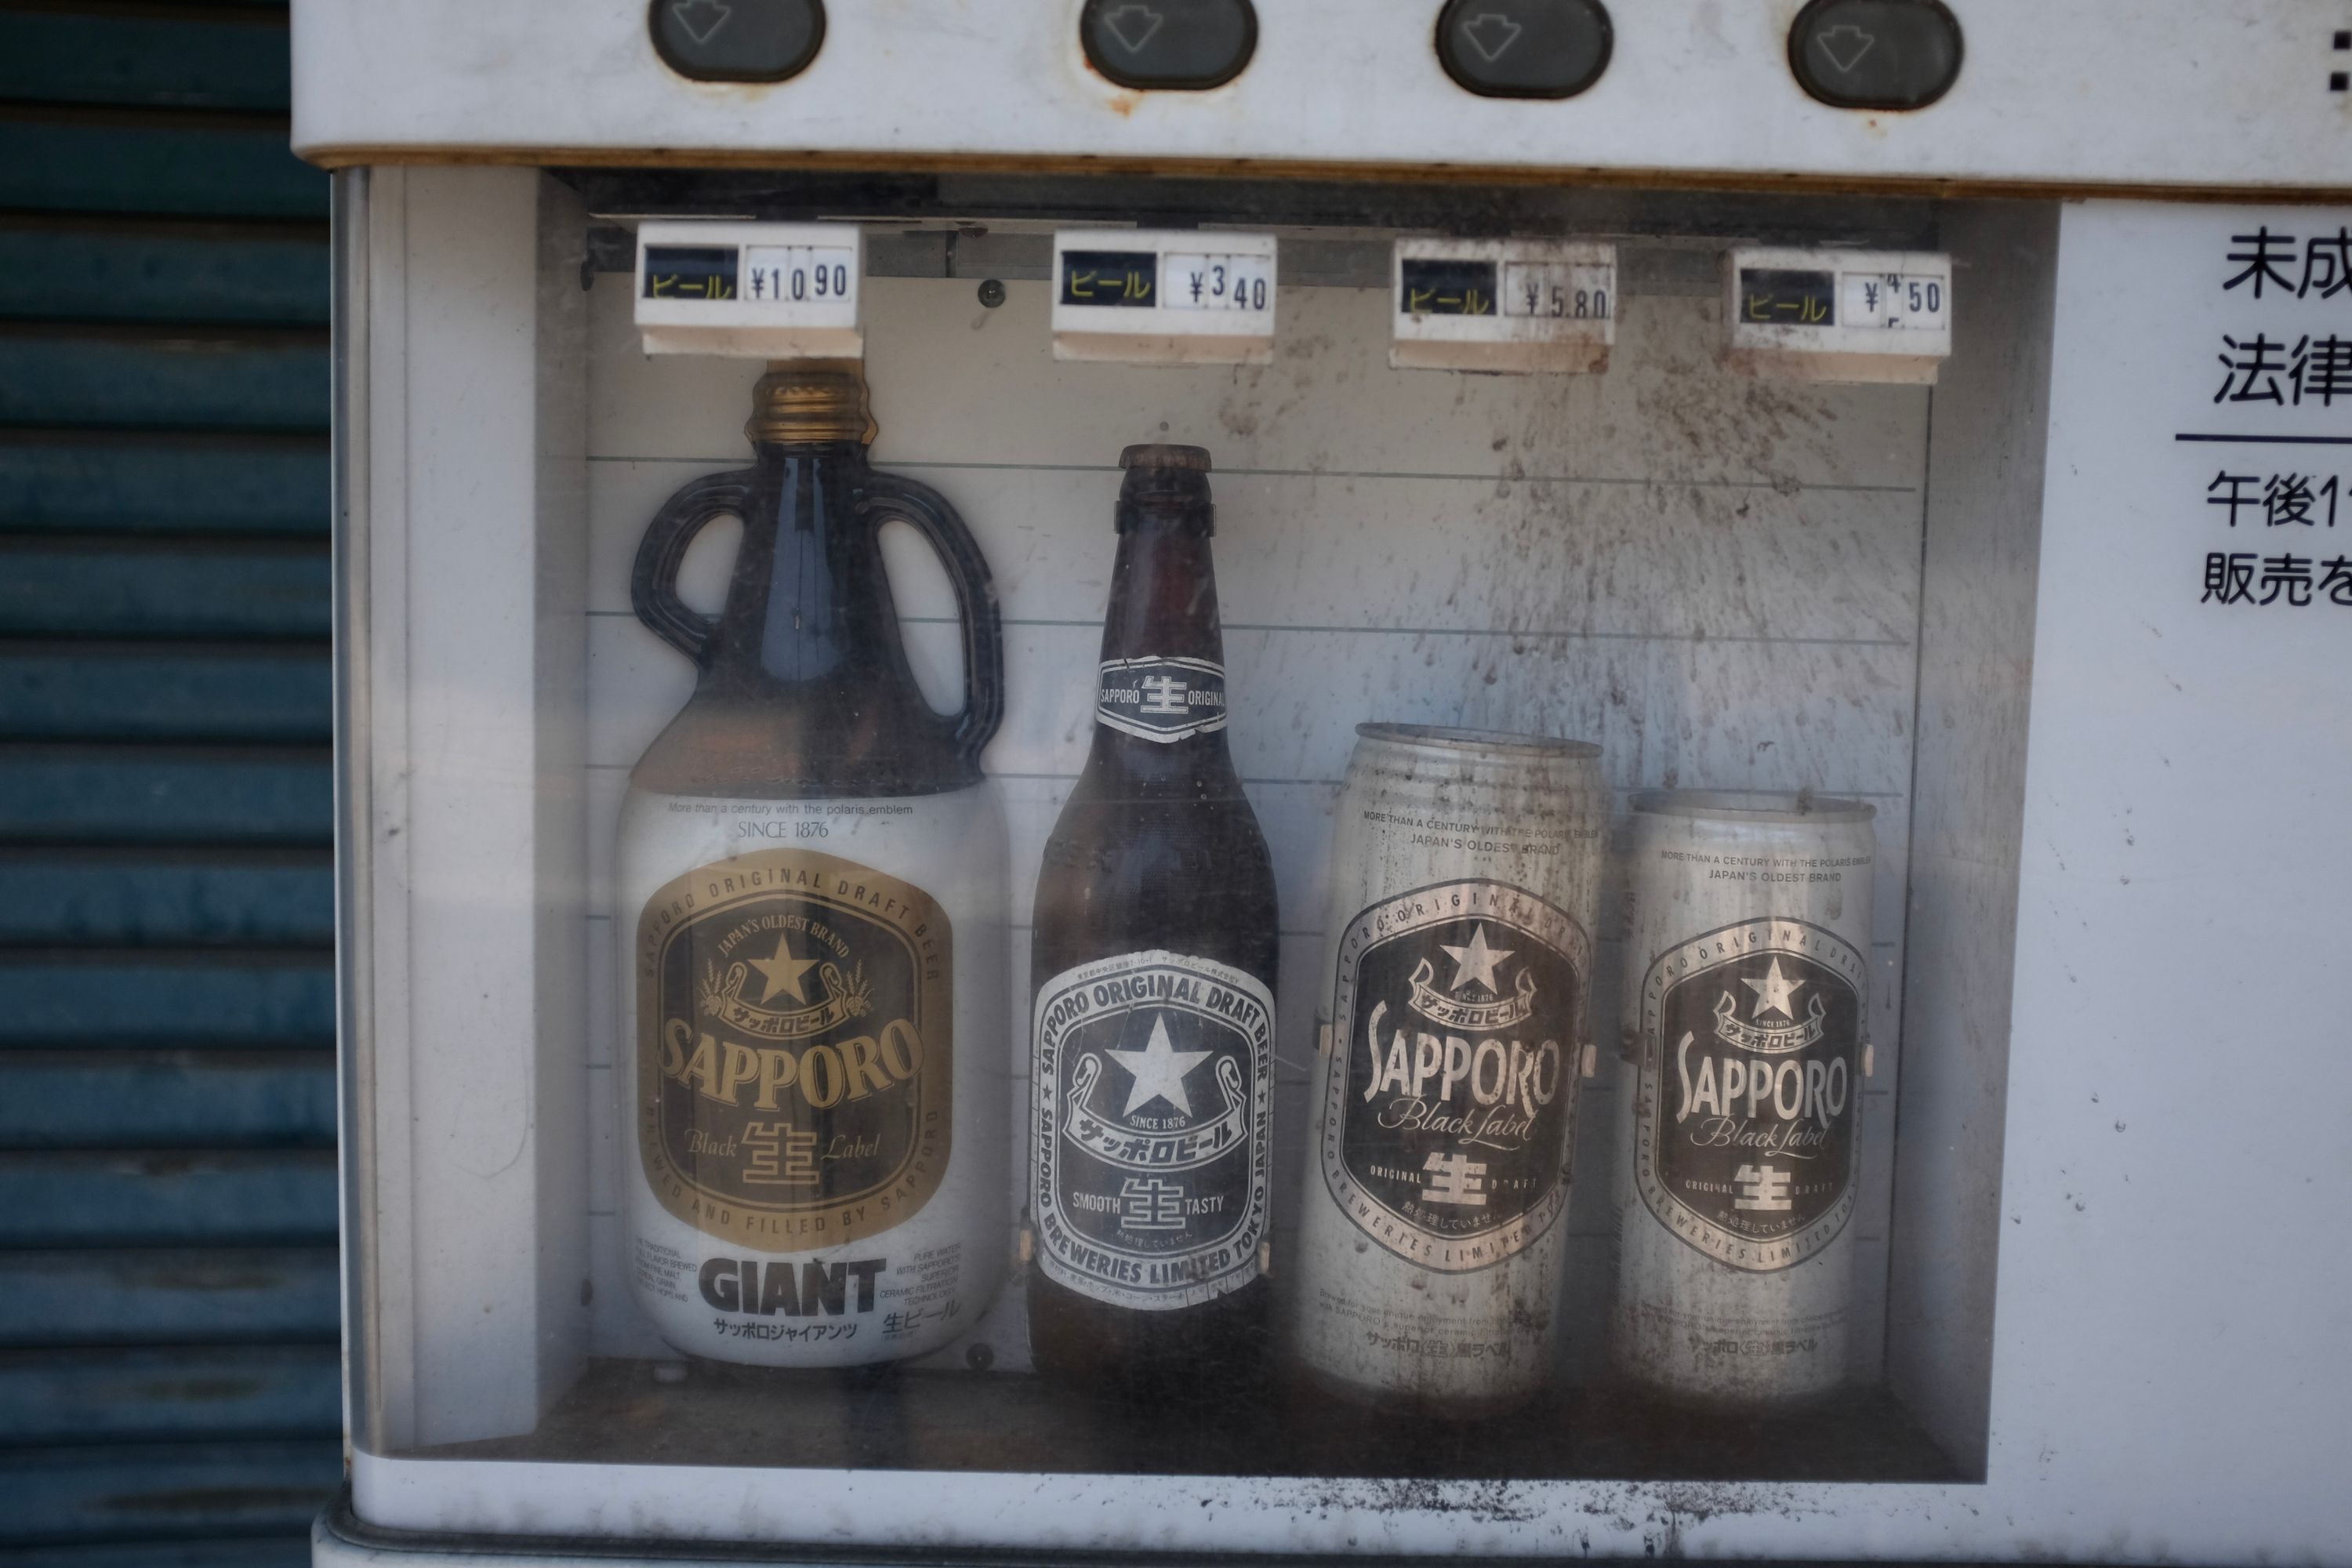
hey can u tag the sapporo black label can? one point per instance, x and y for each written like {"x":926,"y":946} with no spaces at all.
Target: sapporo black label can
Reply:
{"x":1746,"y":1007}
{"x":1465,"y":874}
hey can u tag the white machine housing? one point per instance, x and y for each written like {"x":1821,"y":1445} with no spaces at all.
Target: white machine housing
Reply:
{"x":2104,"y":1031}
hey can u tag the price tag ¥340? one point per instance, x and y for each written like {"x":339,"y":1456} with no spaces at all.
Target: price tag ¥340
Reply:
{"x":1180,"y":298}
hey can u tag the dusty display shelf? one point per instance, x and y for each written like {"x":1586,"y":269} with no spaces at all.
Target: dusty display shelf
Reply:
{"x":892,"y":1417}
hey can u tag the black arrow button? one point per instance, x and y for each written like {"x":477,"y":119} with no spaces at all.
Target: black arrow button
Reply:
{"x":737,"y":40}
{"x":1524,"y":48}
{"x":1182,"y":45}
{"x":1876,"y":54}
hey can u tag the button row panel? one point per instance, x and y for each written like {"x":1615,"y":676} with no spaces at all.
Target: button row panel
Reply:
{"x":1848,"y":54}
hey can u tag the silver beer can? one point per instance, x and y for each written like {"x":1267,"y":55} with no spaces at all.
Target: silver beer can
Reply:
{"x":1465,"y":875}
{"x":1745,"y":1012}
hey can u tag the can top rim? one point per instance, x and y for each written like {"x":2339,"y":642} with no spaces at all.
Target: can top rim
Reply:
{"x":1799,"y":806}
{"x":1446,"y":737}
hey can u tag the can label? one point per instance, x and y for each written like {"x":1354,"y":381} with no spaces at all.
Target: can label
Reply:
{"x":794,"y":1034}
{"x":1446,"y":1140}
{"x":1164,"y":699}
{"x":1750,"y":1091}
{"x":1154,"y":1077}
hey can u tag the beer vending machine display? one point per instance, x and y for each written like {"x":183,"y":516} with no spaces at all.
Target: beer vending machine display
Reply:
{"x":1450,"y":777}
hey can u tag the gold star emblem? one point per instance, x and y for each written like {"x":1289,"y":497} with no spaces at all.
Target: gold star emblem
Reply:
{"x":784,"y":972}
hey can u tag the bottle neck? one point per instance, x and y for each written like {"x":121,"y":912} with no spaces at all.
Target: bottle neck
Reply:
{"x":1162,"y":703}
{"x":807,"y":602}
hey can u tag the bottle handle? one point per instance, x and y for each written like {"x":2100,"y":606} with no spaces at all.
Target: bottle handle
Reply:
{"x":925,"y":509}
{"x":652,"y":582}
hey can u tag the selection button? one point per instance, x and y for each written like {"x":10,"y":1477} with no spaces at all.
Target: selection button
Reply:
{"x":1524,"y":48}
{"x":1876,"y":54}
{"x":1168,"y":44}
{"x":737,"y":40}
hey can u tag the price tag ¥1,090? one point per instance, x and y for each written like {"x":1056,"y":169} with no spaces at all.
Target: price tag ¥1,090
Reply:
{"x":1503,"y":305}
{"x":753,"y":291}
{"x":1838,"y":315}
{"x":1180,"y":298}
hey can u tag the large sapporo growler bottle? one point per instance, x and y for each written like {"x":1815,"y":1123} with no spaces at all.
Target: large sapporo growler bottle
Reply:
{"x":1153,"y":973}
{"x":811,"y":884}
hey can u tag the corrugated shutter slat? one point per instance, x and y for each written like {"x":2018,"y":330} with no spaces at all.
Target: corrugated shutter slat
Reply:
{"x":247,"y":379}
{"x":163,"y":1099}
{"x":169,"y":1286}
{"x":166,"y":899}
{"x":86,"y":794}
{"x":111,"y":482}
{"x":152,"y":1198}
{"x":211,"y":1294}
{"x":178,"y":165}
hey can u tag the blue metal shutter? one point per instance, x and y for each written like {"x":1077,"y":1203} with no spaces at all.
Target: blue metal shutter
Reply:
{"x":168,"y":1306}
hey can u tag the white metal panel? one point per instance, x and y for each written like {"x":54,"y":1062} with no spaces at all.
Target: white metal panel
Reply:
{"x":2159,"y":92}
{"x":477,"y":815}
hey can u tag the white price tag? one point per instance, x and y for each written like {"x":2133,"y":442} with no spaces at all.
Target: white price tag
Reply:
{"x":754,"y":290}
{"x":1215,"y":281}
{"x":799,"y":274}
{"x":1559,"y":290}
{"x":1504,"y":305}
{"x":1180,"y":298}
{"x":1838,"y":315}
{"x":1906,"y":301}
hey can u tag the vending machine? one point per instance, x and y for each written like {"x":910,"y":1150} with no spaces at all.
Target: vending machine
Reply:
{"x":1341,"y":777}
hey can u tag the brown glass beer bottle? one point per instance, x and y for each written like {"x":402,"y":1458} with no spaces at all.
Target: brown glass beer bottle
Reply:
{"x":1153,"y":977}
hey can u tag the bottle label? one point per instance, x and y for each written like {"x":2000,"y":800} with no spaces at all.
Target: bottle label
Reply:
{"x":1447,"y":1131}
{"x":794,"y":1049}
{"x":1750,"y":1091}
{"x":1150,"y":1177}
{"x":1164,"y":700}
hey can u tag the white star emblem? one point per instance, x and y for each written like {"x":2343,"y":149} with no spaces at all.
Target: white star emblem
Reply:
{"x":784,"y":972}
{"x":1477,"y":961}
{"x":1774,"y":991}
{"x":1159,"y":1070}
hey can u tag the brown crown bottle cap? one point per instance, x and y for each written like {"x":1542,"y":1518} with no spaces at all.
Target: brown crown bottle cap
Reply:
{"x":1159,"y":454}
{"x":811,"y":400}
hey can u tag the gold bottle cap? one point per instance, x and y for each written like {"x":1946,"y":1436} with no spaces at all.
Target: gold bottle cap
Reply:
{"x":801,"y":401}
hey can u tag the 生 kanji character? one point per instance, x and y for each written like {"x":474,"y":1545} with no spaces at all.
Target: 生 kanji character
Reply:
{"x":1762,"y":1188}
{"x":2326,"y":264}
{"x":2228,"y":577}
{"x":2290,"y":575}
{"x":780,"y":1155}
{"x":2237,"y":492}
{"x":2259,"y":254}
{"x":2336,"y":580}
{"x":1151,"y":1203}
{"x":2254,"y":372}
{"x":1454,"y":1179}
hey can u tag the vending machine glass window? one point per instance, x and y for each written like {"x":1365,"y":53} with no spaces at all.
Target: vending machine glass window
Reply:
{"x":1339,"y":777}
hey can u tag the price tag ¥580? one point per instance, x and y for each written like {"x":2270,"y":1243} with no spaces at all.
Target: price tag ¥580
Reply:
{"x":1503,"y":305}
